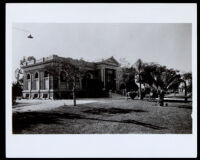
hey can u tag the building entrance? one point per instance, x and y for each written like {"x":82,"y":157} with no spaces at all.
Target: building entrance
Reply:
{"x":110,"y":79}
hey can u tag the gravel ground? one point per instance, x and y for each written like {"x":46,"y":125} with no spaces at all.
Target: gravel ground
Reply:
{"x":101,"y":116}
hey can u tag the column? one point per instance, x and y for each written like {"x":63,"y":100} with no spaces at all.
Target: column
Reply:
{"x":52,"y":86}
{"x":103,"y":76}
{"x":30,"y":96}
{"x":38,"y":84}
{"x":49,"y":85}
{"x":25,"y":83}
{"x":31,"y":81}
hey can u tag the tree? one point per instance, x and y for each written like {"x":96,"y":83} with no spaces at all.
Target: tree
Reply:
{"x":72,"y":73}
{"x":128,"y":79}
{"x":139,"y":67}
{"x":16,"y":91}
{"x":188,"y":77}
{"x":159,"y":77}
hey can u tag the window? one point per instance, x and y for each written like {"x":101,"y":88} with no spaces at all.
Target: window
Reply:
{"x":28,"y":76}
{"x":91,"y":76}
{"x":45,"y":95}
{"x":36,"y":81}
{"x":62,"y":76}
{"x":35,"y":96}
{"x":46,"y":74}
{"x":28,"y":81}
{"x":27,"y":95}
{"x":36,"y":75}
{"x":46,"y":80}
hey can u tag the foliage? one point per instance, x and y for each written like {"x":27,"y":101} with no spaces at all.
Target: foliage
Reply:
{"x":16,"y":91}
{"x":188,"y":77}
{"x":128,"y":79}
{"x":155,"y":76}
{"x":122,"y":86}
{"x":160,"y":77}
{"x":130,"y":83}
{"x":139,"y":65}
{"x":72,"y":72}
{"x":147,"y":90}
{"x":133,"y":94}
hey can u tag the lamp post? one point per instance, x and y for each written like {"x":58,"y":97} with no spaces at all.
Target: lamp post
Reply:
{"x":23,"y":30}
{"x":19,"y":71}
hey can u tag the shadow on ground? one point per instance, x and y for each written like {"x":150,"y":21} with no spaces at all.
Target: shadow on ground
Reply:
{"x":24,"y":120}
{"x":27,"y":120}
{"x":112,"y":111}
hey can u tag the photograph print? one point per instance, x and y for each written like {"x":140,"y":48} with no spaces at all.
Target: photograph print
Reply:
{"x":102,"y":78}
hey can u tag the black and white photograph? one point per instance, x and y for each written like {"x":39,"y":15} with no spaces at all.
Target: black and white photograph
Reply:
{"x":101,"y":80}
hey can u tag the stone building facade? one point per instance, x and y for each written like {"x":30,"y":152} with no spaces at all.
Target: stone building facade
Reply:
{"x":38,"y":83}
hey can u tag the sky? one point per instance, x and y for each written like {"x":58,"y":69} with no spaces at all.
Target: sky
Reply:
{"x":168,"y":44}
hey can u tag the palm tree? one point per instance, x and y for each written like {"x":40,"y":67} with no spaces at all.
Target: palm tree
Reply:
{"x":176,"y":80}
{"x":159,"y":77}
{"x":139,"y":68}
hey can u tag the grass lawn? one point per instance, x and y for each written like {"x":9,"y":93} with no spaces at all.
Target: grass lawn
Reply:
{"x":106,"y":116}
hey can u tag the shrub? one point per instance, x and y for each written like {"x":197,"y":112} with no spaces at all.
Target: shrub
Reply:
{"x":133,"y":95}
{"x":16,"y":91}
{"x":122,"y":86}
{"x":147,"y":90}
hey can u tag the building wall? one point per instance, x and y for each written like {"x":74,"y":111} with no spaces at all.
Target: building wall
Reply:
{"x":52,"y":87}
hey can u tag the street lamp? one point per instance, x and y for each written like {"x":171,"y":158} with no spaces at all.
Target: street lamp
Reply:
{"x":23,"y":30}
{"x":30,"y":36}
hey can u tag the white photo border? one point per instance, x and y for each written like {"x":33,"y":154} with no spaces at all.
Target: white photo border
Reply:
{"x":100,"y":145}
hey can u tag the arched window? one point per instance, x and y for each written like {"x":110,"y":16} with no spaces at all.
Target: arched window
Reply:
{"x":89,"y":76}
{"x":46,"y":74}
{"x":36,"y":81}
{"x":62,"y":76}
{"x":36,"y":75}
{"x":28,"y":85}
{"x":28,"y":76}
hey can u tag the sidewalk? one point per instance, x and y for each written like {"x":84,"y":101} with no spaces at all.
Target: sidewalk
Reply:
{"x":38,"y":105}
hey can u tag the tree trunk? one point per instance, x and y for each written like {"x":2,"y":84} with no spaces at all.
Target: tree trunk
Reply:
{"x":74,"y":96}
{"x":185,"y":92}
{"x":140,"y":92}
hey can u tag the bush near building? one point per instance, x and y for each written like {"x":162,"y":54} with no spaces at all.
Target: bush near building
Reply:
{"x":16,"y":91}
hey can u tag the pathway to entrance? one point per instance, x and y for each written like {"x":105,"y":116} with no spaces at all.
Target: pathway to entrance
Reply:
{"x":41,"y":105}
{"x":25,"y":105}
